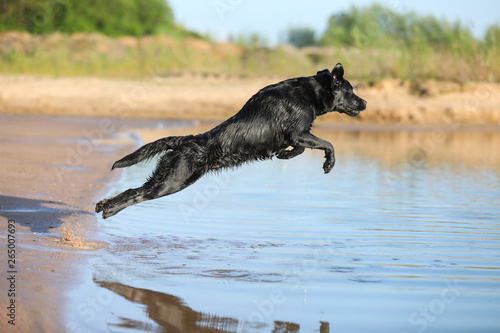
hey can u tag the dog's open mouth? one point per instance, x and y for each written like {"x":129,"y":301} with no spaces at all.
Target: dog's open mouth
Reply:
{"x":352,"y":112}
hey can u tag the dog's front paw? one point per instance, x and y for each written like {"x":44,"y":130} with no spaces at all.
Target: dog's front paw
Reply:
{"x":328,"y":165}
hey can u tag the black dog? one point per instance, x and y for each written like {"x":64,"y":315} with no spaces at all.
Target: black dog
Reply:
{"x":277,"y":117}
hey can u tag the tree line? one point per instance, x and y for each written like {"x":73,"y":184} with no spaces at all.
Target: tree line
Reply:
{"x":361,"y":27}
{"x":109,"y":17}
{"x":378,"y":26}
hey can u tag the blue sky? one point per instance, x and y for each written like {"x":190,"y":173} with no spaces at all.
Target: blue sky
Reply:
{"x":271,"y":18}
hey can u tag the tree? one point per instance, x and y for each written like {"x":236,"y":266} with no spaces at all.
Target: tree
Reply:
{"x":110,"y":17}
{"x":492,"y":38}
{"x":377,"y":26}
{"x":301,"y":36}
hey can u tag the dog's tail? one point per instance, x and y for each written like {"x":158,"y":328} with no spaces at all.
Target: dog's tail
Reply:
{"x":150,"y":150}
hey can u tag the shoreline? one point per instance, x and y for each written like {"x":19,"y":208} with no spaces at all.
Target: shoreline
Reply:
{"x":50,"y":194}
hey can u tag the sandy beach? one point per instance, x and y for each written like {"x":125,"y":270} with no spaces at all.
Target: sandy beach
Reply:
{"x":51,"y":175}
{"x":60,"y":135}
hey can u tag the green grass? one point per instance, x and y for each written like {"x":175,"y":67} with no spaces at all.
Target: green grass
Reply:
{"x":97,"y":55}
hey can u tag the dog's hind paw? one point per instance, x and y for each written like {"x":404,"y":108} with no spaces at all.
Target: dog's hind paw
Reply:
{"x":105,"y":207}
{"x":99,"y":207}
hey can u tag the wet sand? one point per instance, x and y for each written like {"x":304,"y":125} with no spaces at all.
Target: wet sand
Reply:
{"x":52,"y":171}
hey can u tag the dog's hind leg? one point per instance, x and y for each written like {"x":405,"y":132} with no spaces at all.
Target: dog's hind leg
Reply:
{"x":111,"y":206}
{"x":174,"y":173}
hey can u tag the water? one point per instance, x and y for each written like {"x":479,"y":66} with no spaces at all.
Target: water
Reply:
{"x":402,"y":236}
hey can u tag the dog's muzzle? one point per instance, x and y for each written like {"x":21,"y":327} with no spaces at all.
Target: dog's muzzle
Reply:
{"x":353,"y":112}
{"x":363,"y":106}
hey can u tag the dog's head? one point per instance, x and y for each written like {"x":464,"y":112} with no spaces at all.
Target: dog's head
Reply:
{"x":345,"y":101}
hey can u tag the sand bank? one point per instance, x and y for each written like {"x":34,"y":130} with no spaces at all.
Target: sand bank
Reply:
{"x":202,"y":98}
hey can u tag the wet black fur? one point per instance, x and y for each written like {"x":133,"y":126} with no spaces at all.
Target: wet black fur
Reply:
{"x":278,"y":117}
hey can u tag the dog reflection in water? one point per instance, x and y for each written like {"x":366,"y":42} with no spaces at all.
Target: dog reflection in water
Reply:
{"x":173,"y":315}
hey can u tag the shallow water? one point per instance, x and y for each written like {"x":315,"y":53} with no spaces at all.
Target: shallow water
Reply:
{"x":402,"y":236}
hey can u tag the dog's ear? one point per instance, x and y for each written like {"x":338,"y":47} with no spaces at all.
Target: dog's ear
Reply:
{"x":338,"y":72}
{"x":323,"y":71}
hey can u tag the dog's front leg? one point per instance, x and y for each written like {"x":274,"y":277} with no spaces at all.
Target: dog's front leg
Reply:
{"x":308,"y":140}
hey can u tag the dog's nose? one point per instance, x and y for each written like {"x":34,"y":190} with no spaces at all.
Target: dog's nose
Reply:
{"x":363,"y":103}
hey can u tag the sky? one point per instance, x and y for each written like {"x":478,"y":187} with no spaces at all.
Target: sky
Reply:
{"x":272,"y":18}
